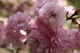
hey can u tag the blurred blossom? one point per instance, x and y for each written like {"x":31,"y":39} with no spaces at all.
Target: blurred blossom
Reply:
{"x":37,"y":42}
{"x":3,"y":40}
{"x":42,"y":39}
{"x":44,"y":33}
{"x":55,"y":15}
{"x":19,"y":21}
{"x":10,"y":7}
{"x":49,"y":36}
{"x":16,"y":23}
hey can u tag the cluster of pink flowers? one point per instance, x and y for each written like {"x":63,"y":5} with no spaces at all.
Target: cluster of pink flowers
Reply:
{"x":48,"y":34}
{"x":16,"y":23}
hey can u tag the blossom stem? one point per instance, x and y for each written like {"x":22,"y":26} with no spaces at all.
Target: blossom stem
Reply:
{"x":71,"y":17}
{"x":74,"y":19}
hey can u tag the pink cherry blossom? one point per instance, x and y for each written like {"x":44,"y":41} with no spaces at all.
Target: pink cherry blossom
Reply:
{"x":68,"y":39}
{"x":53,"y":12}
{"x":19,"y":21}
{"x":16,"y":38}
{"x":37,"y":42}
{"x":74,"y":38}
{"x":16,"y":23}
{"x":46,"y":40}
{"x":40,"y":38}
{"x":41,"y":3}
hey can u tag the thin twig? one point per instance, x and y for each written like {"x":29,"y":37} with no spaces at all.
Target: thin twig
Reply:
{"x":71,"y":17}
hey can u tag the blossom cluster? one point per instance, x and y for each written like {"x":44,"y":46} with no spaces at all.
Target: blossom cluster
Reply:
{"x":17,"y":23}
{"x":49,"y":35}
{"x":46,"y":34}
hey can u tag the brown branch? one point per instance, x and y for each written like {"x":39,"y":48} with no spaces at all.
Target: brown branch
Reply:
{"x":74,"y":19}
